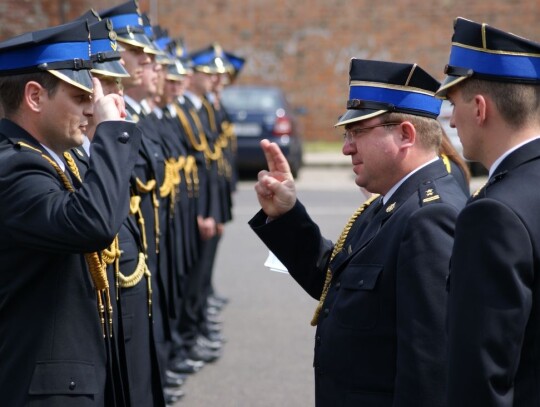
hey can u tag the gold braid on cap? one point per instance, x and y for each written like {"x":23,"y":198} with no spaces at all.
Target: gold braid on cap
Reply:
{"x":337,"y":248}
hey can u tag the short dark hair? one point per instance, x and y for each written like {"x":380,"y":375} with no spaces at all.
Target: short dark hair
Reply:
{"x":518,"y":104}
{"x":12,"y":89}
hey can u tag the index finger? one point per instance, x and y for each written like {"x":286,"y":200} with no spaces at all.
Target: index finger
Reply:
{"x":98,"y":89}
{"x":274,"y":157}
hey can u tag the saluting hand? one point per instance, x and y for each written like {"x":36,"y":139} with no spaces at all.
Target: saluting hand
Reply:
{"x":275,"y":188}
{"x":107,"y":107}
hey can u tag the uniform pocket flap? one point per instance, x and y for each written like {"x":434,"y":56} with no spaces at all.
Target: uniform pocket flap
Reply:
{"x":361,"y":276}
{"x":64,"y":377}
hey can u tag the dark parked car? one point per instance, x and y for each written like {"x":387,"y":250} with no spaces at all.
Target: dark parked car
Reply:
{"x":260,"y":112}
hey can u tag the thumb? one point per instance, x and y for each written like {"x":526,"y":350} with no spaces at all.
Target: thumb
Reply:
{"x":273,"y":184}
{"x":98,"y":89}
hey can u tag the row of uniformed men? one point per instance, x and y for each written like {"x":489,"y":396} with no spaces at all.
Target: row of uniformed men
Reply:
{"x":155,"y":304}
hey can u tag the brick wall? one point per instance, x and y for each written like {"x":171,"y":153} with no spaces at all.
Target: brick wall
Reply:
{"x":304,"y":46}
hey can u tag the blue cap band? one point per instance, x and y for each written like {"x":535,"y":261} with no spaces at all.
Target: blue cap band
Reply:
{"x":123,"y":20}
{"x":47,"y":53}
{"x":399,"y":98}
{"x":516,"y":66}
{"x":101,"y":46}
{"x":203,"y":59}
{"x":148,"y":31}
{"x":163,"y":42}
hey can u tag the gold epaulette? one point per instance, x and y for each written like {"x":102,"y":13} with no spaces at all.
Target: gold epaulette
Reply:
{"x":428,"y":192}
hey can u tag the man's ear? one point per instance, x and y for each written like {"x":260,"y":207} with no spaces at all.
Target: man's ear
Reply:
{"x":34,"y":95}
{"x":480,"y":105}
{"x":408,"y":134}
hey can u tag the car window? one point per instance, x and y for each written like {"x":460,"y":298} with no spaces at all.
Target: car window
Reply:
{"x":251,"y":99}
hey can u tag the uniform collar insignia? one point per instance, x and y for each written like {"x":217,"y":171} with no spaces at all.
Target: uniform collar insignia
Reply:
{"x":391,"y":207}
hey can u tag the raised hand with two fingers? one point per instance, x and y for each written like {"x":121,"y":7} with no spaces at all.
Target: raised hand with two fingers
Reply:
{"x":275,"y":187}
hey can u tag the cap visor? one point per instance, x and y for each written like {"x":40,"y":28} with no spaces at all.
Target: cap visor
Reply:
{"x":356,"y":115}
{"x":175,"y":77}
{"x":154,"y":49}
{"x":448,"y":82}
{"x":139,"y":40}
{"x":110,"y":68}
{"x":81,"y":79}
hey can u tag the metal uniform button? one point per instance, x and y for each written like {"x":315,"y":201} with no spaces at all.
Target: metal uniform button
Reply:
{"x":123,"y":138}
{"x":338,"y":284}
{"x":326,"y":312}
{"x":361,"y":283}
{"x":72,"y":385}
{"x":318,"y":340}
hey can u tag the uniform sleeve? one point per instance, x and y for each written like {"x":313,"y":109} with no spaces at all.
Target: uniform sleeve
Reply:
{"x":39,"y":212}
{"x":297,"y":242}
{"x":422,"y":270}
{"x":490,"y":300}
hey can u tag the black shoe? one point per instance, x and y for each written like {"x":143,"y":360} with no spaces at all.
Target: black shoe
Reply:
{"x":207,"y":343}
{"x":173,"y":379}
{"x":215,"y":336}
{"x":213,"y":303}
{"x":206,"y":355}
{"x":214,"y":319}
{"x":219,"y":298}
{"x":176,"y":376}
{"x":181,"y":366}
{"x":212,"y":327}
{"x":213,"y":310}
{"x":196,"y":363}
{"x":173,"y":395}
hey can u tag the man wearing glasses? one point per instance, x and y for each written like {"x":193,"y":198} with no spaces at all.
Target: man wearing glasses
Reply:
{"x":380,"y":338}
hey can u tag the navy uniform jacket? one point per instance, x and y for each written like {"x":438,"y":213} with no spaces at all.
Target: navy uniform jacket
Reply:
{"x":494,"y":302}
{"x":381,"y":338}
{"x":52,"y":349}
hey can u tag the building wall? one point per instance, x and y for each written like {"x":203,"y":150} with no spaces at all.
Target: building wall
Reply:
{"x":304,"y":46}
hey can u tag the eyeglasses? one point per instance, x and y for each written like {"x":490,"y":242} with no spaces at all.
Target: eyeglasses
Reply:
{"x":351,"y":134}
